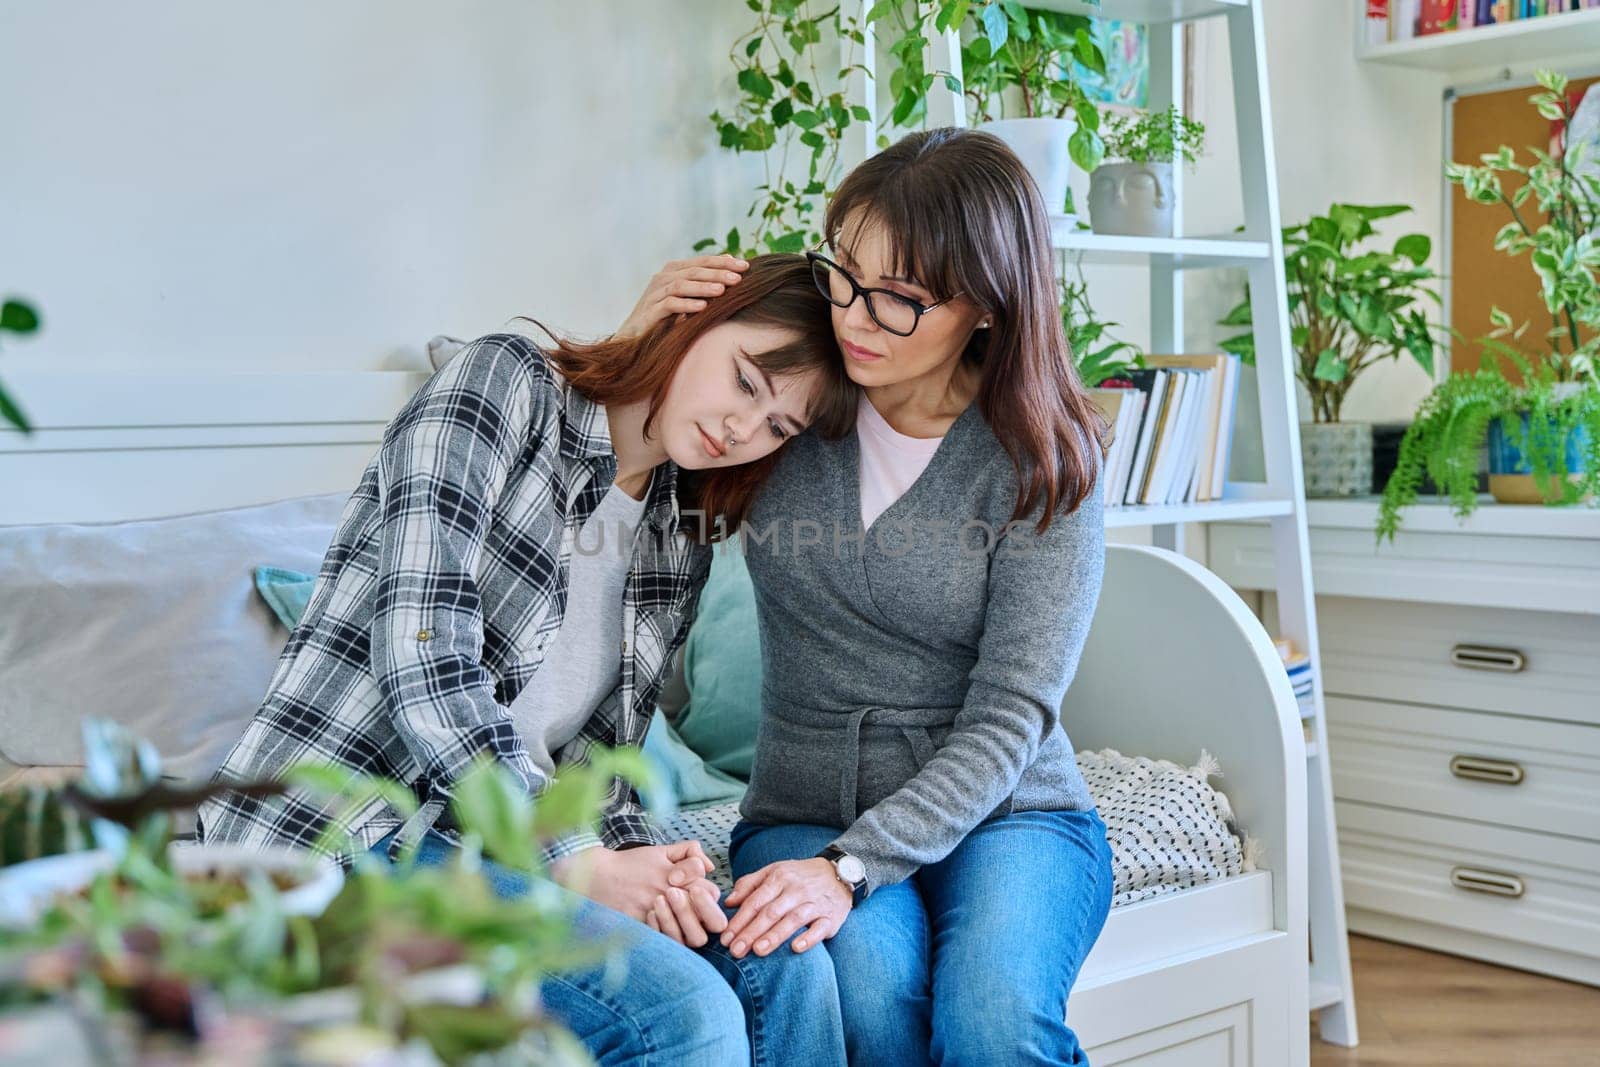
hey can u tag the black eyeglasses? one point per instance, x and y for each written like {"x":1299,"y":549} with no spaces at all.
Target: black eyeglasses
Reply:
{"x":897,"y":314}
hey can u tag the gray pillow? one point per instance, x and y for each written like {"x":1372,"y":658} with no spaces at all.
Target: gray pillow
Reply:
{"x":155,"y":623}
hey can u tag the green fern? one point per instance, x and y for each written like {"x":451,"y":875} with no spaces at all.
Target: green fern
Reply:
{"x":1452,"y":425}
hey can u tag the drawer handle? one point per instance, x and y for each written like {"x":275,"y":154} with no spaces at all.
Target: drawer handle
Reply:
{"x":1491,"y":882}
{"x":1479,"y":769}
{"x":1488,"y":658}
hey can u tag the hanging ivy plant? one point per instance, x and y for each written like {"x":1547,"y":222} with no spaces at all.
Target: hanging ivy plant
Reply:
{"x":791,"y":114}
{"x":792,"y":106}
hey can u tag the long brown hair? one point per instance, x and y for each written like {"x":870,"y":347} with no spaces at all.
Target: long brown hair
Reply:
{"x":962,"y":215}
{"x":776,"y":291}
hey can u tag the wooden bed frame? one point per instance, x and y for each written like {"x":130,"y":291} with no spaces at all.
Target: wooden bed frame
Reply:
{"x":1213,"y":976}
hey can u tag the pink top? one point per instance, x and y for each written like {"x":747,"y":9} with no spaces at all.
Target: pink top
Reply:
{"x":890,"y":461}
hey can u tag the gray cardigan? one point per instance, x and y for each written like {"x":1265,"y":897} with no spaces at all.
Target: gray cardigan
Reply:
{"x":913,"y":674}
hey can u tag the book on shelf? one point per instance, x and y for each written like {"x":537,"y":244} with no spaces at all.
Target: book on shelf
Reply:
{"x":1437,"y":16}
{"x":1171,"y":430}
{"x":1298,"y":664}
{"x":1401,"y":20}
{"x":1377,"y":21}
{"x":1166,"y":440}
{"x":1154,"y":385}
{"x":1123,"y":409}
{"x":1198,"y":473}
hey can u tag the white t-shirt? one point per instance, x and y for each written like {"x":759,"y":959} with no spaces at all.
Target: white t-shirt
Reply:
{"x":890,"y":461}
{"x":584,"y":661}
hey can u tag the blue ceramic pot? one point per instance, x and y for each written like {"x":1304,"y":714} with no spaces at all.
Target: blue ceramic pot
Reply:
{"x":1511,"y":478}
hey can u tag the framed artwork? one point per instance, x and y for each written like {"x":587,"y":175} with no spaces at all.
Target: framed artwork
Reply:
{"x":1126,"y":83}
{"x":1127,"y":79}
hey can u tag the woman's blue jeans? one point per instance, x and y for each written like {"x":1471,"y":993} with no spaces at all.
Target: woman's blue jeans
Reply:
{"x":970,"y":960}
{"x":674,"y":1005}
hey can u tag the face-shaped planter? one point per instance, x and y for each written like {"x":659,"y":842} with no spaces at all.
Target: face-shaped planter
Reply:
{"x":1132,"y":198}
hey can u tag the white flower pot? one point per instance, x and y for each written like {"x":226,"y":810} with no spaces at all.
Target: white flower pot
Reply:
{"x":26,"y":889}
{"x":460,"y":984}
{"x":1041,"y":144}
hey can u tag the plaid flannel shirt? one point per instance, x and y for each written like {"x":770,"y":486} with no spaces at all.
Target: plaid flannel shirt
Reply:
{"x":445,"y":582}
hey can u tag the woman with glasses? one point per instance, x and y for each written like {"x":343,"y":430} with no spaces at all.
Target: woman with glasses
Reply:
{"x":924,"y":588}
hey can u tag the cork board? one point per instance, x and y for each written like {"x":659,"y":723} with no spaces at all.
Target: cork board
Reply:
{"x":1479,"y":276}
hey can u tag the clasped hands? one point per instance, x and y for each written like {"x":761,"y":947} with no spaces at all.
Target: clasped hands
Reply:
{"x":665,"y":887}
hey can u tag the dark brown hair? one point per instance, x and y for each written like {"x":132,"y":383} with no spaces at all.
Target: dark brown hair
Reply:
{"x":776,"y":291}
{"x":962,"y":215}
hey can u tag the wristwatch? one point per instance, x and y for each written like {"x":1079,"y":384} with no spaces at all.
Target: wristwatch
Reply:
{"x":850,"y":870}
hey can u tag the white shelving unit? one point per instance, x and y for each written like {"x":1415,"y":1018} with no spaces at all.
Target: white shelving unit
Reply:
{"x":1510,"y":44}
{"x":1280,"y":499}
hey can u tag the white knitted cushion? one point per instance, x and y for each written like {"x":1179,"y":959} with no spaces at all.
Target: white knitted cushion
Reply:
{"x":1168,"y":828}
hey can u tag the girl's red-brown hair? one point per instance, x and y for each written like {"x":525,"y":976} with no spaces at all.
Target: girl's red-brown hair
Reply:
{"x":962,"y":216}
{"x":776,"y":291}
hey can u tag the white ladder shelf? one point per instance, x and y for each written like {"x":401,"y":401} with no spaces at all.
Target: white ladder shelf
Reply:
{"x":1325,"y":986}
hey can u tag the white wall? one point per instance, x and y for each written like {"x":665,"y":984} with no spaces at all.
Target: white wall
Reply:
{"x":315,"y":184}
{"x":327,"y":185}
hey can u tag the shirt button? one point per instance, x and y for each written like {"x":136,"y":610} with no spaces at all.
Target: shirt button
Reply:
{"x":423,"y":635}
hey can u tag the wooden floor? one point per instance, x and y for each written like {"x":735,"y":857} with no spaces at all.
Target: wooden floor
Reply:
{"x":1419,"y":1007}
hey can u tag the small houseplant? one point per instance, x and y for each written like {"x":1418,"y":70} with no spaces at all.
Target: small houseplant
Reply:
{"x":1026,"y":58}
{"x":1132,"y":191}
{"x":1350,"y":307}
{"x":1542,"y":430}
{"x":428,"y":959}
{"x":1099,"y":355}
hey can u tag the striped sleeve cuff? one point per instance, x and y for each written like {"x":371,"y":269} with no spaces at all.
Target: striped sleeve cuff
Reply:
{"x":570,"y":845}
{"x":629,"y":829}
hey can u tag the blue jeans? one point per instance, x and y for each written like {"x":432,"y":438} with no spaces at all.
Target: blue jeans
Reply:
{"x":970,"y":960}
{"x":677,"y":1005}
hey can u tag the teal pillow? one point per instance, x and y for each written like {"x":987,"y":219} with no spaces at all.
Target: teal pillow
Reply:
{"x":722,"y":668}
{"x":286,"y":592}
{"x":684,"y":776}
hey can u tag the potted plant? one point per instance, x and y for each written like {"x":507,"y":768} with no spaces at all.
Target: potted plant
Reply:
{"x":59,"y":840}
{"x":424,"y":965}
{"x":1026,"y":57}
{"x":21,"y":319}
{"x":1350,"y":307}
{"x":1099,"y":356}
{"x":1132,"y":193}
{"x":1542,"y":430}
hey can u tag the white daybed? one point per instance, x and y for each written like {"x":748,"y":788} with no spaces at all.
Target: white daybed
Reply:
{"x":1212,"y":976}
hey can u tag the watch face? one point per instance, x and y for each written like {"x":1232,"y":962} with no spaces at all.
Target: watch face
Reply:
{"x":851,"y":869}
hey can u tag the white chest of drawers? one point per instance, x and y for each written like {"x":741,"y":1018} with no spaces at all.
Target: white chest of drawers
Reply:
{"x":1461,"y":668}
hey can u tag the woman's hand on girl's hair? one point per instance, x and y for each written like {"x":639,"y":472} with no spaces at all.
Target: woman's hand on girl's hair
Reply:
{"x":781,"y":898}
{"x":682,"y":287}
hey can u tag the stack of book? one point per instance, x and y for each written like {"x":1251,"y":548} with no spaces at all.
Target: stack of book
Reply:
{"x":1401,"y":20}
{"x":1298,"y":664}
{"x":1171,"y":430}
{"x":1299,"y":667}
